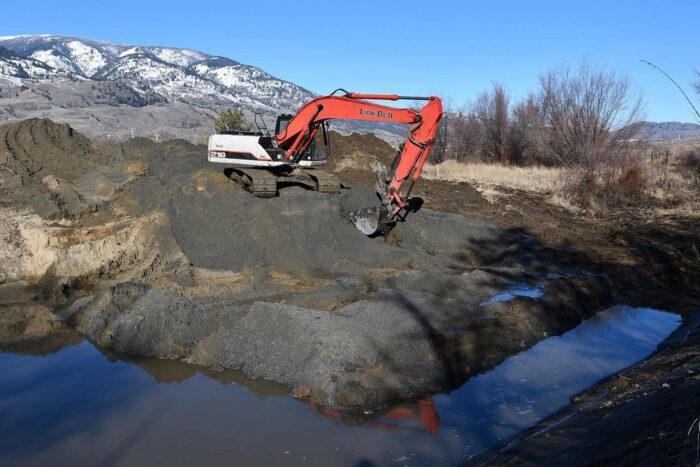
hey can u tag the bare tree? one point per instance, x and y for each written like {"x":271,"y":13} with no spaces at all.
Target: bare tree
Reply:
{"x":589,"y":112}
{"x":525,"y":135}
{"x":492,"y":110}
{"x":465,"y":137}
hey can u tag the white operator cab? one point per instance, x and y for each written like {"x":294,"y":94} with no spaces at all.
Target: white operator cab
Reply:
{"x":256,"y":149}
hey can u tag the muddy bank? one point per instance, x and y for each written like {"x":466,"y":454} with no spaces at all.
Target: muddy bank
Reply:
{"x":410,"y":336}
{"x":147,"y":250}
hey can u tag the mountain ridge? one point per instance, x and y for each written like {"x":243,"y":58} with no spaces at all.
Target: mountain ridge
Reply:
{"x":113,"y":90}
{"x":170,"y":69}
{"x":667,"y":131}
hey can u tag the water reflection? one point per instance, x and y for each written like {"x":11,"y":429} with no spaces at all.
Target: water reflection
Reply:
{"x":418,"y":415}
{"x":172,"y":371}
{"x":529,"y":386}
{"x":82,"y":406}
{"x":32,"y":329}
{"x":522,"y":290}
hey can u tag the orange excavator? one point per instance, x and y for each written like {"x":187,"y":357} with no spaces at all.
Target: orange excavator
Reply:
{"x":260,"y":161}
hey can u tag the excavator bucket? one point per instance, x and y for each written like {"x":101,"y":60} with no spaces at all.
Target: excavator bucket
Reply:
{"x":371,"y":221}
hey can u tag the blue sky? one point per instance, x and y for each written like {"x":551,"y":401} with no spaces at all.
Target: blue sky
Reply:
{"x":452,"y":48}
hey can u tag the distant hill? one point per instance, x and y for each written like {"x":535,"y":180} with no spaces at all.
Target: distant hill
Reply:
{"x":664,"y":131}
{"x":109,"y":90}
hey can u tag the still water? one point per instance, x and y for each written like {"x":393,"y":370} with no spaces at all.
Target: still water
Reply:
{"x":82,"y":406}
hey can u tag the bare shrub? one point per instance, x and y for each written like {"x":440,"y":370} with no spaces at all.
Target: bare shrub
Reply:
{"x":459,"y":136}
{"x":622,"y":181}
{"x":689,"y":165}
{"x":442,"y":138}
{"x":588,"y":112}
{"x":437,"y":154}
{"x":580,"y":187}
{"x":495,"y":131}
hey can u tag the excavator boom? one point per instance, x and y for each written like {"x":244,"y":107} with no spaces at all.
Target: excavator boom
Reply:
{"x":407,"y":166}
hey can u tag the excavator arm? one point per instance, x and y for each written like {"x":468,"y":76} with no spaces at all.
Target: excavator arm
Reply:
{"x":407,"y":166}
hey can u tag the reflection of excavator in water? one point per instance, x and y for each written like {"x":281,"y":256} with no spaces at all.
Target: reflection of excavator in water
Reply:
{"x":421,"y":415}
{"x":259,"y":161}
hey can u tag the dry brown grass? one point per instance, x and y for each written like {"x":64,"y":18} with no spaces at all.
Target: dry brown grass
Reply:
{"x":652,"y":181}
{"x":532,"y":178}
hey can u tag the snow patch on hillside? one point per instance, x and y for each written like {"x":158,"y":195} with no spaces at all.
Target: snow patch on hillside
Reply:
{"x":55,"y":61}
{"x":10,"y":79}
{"x":181,"y":57}
{"x":88,"y":59}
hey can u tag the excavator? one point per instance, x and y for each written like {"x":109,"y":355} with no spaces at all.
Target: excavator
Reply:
{"x":260,"y":161}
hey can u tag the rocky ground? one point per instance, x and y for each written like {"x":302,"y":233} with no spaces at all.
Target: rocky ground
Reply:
{"x":147,"y":250}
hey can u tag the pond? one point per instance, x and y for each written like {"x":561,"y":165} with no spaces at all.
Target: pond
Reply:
{"x":80,"y":405}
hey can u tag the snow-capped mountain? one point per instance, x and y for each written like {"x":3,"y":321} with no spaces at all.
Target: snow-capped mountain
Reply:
{"x":176,"y":75}
{"x":250,"y":82}
{"x":18,"y":67}
{"x":108,"y":90}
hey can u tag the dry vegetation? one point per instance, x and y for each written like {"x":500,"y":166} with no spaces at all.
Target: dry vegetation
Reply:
{"x":653,"y":177}
{"x":572,"y":140}
{"x":537,"y":179}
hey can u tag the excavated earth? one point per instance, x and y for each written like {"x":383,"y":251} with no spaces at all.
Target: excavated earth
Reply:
{"x":148,"y":250}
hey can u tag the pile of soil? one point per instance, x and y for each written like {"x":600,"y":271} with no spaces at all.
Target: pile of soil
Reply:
{"x":233,"y":231}
{"x":42,"y":147}
{"x":356,"y":158}
{"x":40,"y":160}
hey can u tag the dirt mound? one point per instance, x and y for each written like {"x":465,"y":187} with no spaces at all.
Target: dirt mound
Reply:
{"x":299,"y":231}
{"x":144,"y":148}
{"x":356,"y":158}
{"x":411,"y":334}
{"x":357,"y":142}
{"x":40,"y":160}
{"x":46,"y":148}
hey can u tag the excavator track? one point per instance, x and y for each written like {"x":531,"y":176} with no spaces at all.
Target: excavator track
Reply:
{"x":259,"y":182}
{"x":325,"y":182}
